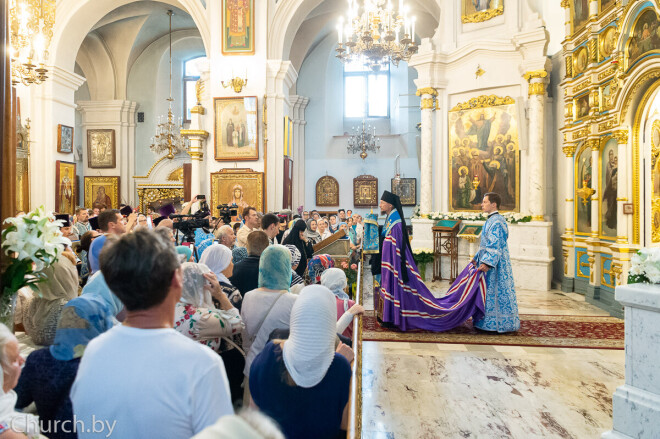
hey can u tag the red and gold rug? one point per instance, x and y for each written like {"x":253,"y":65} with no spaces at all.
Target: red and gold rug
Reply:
{"x":535,"y":330}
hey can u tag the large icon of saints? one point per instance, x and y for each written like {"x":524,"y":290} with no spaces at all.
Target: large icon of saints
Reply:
{"x":484,"y":156}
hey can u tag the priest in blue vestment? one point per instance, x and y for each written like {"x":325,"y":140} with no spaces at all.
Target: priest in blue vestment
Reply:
{"x":404,"y":300}
{"x":501,"y":313}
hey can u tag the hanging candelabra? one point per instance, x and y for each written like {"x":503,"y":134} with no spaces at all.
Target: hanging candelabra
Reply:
{"x":363,"y":140}
{"x":378,"y":35}
{"x":31,"y":29}
{"x":168,"y":133}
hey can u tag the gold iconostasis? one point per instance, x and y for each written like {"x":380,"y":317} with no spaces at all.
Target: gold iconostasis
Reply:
{"x":611,"y":138}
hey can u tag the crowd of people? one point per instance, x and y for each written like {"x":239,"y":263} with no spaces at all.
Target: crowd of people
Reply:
{"x":245,"y":332}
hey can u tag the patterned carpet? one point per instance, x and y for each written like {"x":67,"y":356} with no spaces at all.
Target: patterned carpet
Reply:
{"x":535,"y":330}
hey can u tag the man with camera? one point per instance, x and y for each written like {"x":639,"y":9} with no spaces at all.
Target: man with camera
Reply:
{"x":252,"y":223}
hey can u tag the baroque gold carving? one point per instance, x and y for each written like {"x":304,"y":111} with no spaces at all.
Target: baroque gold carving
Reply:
{"x":593,"y":52}
{"x":483,"y":15}
{"x":427,"y":91}
{"x":534,"y":74}
{"x":569,"y":66}
{"x":427,"y":104}
{"x":565,"y":254}
{"x":581,"y":86}
{"x":606,"y":126}
{"x":579,"y":134}
{"x":536,"y":88}
{"x":594,"y":144}
{"x":483,"y":102}
{"x":621,"y":136}
{"x":176,"y":175}
{"x":564,"y":4}
{"x":608,"y":72}
{"x":200,"y":133}
{"x":569,"y":150}
{"x":153,"y":194}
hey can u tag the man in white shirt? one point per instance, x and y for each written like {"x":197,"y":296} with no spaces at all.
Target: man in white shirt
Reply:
{"x":252,"y":222}
{"x":142,"y":378}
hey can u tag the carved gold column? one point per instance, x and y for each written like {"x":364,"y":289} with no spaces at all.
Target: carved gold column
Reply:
{"x":197,"y":138}
{"x":622,"y":186}
{"x":536,"y":162}
{"x":569,"y":151}
{"x":596,"y":197}
{"x":427,"y":105}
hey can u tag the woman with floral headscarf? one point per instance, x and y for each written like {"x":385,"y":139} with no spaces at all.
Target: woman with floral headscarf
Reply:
{"x":197,"y":317}
{"x":317,"y":265}
{"x":49,"y":373}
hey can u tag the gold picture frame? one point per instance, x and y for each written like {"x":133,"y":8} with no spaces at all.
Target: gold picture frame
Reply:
{"x":65,"y":187}
{"x":607,"y":42}
{"x":365,"y":191}
{"x":477,"y":11}
{"x":238,"y":23}
{"x":327,"y":191}
{"x":236,"y":128}
{"x":64,"y":139}
{"x":101,"y":191}
{"x":226,"y":184}
{"x":484,"y":153}
{"x":580,"y":60}
{"x":101,"y":149}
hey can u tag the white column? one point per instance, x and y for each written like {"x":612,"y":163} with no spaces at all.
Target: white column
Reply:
{"x":597,"y":196}
{"x":197,"y":136}
{"x":536,"y":153}
{"x":299,"y":104}
{"x":426,"y":184}
{"x":622,"y":186}
{"x":51,"y":103}
{"x":280,"y":77}
{"x":569,"y":176}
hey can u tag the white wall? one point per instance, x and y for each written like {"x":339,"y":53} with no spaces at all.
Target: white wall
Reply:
{"x":148,"y":85}
{"x":321,"y":80}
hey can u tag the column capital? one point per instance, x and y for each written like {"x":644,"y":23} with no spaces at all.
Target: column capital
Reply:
{"x":594,"y":144}
{"x":569,"y":150}
{"x":427,"y":91}
{"x":564,"y":4}
{"x":535,"y":74}
{"x":621,"y":136}
{"x":197,"y":109}
{"x":195,"y":133}
{"x":536,"y":88}
{"x":427,"y":104}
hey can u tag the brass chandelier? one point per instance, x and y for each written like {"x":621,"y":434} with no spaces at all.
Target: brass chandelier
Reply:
{"x":31,"y":29}
{"x":363,"y":141}
{"x":378,"y":35}
{"x":168,"y":133}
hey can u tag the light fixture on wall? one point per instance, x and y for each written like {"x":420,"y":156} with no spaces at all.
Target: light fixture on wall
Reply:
{"x":363,"y":141}
{"x":31,"y":29}
{"x":377,"y":36}
{"x":236,"y":83}
{"x":168,"y":134}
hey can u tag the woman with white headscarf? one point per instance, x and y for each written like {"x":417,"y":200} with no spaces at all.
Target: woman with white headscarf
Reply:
{"x":335,"y":280}
{"x":12,"y":423}
{"x":303,"y":382}
{"x":197,"y":317}
{"x":42,"y":310}
{"x":218,"y":258}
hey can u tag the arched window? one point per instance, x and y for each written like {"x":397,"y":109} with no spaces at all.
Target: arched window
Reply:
{"x":366,"y":93}
{"x":190,"y":76}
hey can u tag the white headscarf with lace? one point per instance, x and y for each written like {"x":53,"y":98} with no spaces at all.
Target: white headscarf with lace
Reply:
{"x":217,"y":257}
{"x":193,"y":291}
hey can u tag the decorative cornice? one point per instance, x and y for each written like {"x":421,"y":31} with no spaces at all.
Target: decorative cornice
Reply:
{"x":427,"y":91}
{"x":535,"y":74}
{"x":483,"y":102}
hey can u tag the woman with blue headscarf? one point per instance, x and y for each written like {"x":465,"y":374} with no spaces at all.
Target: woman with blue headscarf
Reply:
{"x":97,"y":288}
{"x":269,"y":306}
{"x":49,"y":373}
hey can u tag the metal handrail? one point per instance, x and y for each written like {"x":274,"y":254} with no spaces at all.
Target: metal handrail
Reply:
{"x":354,"y":430}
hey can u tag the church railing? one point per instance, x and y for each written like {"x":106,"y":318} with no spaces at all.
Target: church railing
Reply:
{"x":354,"y":430}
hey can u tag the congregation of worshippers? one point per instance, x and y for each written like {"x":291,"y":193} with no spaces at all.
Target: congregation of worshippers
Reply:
{"x":246,"y":318}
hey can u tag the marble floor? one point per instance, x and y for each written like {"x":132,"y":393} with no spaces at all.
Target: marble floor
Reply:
{"x":426,"y":390}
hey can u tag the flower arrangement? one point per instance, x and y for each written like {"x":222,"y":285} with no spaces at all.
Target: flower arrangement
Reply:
{"x":423,"y":256}
{"x":645,"y":266}
{"x":350,"y":271}
{"x":32,"y":242}
{"x":511,"y":217}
